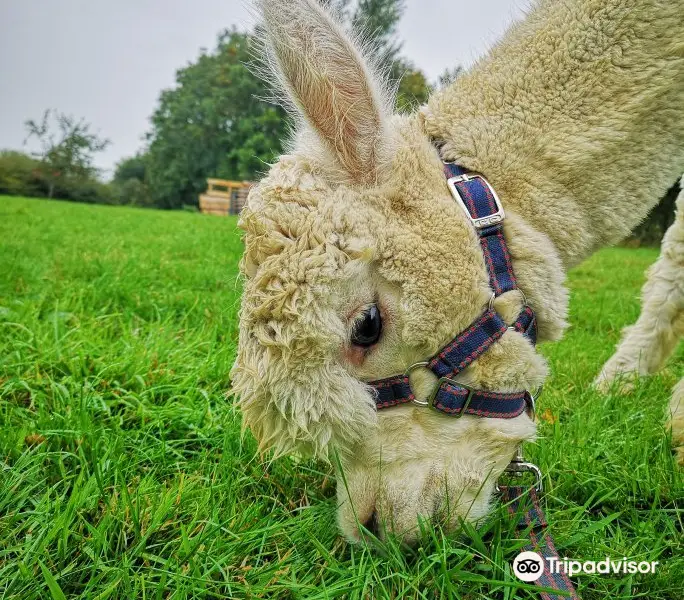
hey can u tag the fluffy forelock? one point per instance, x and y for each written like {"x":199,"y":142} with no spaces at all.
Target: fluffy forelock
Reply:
{"x":293,"y":391}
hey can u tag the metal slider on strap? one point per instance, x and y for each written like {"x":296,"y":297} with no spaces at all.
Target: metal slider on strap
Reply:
{"x":430,"y":402}
{"x":478,"y":222}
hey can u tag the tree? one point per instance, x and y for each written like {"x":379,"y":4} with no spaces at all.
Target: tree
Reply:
{"x":129,"y":183}
{"x":212,"y":124}
{"x":377,"y":20}
{"x":133,"y":167}
{"x":19,"y":174}
{"x":413,"y":89}
{"x":449,"y":76}
{"x":66,"y":153}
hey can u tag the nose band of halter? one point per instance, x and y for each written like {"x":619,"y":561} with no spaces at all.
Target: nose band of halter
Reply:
{"x":473,"y":193}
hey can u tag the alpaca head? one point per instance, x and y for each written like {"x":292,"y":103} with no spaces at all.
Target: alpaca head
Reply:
{"x":357,"y":264}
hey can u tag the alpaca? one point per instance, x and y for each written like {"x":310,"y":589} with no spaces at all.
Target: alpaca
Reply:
{"x":646,"y":346}
{"x":358,"y":263}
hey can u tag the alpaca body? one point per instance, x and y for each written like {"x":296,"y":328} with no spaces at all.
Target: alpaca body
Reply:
{"x":576,"y":117}
{"x":576,"y":120}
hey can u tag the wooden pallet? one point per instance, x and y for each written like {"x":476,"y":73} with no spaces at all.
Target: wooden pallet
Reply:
{"x":224,"y":197}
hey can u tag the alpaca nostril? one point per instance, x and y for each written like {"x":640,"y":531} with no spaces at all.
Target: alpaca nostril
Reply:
{"x":372,"y":524}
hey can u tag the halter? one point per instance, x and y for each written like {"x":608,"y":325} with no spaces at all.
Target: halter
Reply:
{"x":473,"y":193}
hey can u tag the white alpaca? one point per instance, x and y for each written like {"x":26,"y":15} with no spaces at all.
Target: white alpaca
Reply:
{"x":646,"y":345}
{"x":358,"y":263}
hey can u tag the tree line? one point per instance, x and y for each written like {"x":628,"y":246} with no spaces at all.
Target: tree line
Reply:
{"x":215,"y":122}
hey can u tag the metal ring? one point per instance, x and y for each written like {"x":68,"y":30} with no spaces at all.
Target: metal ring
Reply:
{"x":414,"y":366}
{"x":538,"y":393}
{"x":408,"y":371}
{"x":522,"y":294}
{"x":518,"y":468}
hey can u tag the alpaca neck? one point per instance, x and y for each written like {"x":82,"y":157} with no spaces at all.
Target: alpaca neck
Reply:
{"x":579,"y":133}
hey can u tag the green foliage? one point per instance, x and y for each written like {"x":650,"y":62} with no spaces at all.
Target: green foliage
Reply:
{"x":129,"y":184}
{"x":378,"y":20}
{"x":20,"y":174}
{"x":212,"y":125}
{"x":25,"y":175}
{"x":83,"y":189}
{"x":132,"y":192}
{"x":133,"y":167}
{"x":67,"y":151}
{"x":125,"y":473}
{"x":413,"y":89}
{"x":449,"y":75}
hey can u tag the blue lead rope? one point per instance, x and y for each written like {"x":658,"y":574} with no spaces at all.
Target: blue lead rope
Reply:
{"x":523,"y":506}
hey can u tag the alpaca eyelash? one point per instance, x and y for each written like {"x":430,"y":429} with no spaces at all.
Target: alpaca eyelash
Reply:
{"x":360,"y":313}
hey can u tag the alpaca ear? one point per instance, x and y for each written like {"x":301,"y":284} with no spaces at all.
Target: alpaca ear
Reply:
{"x":327,"y":80}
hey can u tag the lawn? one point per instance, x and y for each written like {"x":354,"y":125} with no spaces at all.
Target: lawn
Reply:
{"x":124,"y":472}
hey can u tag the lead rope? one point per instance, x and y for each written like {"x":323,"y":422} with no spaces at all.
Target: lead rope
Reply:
{"x":525,"y":501}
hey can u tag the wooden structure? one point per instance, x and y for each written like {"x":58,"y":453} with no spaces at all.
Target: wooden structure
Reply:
{"x":224,"y":197}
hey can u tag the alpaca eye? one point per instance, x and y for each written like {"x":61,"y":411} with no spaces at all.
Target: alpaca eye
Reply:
{"x":368,"y":329}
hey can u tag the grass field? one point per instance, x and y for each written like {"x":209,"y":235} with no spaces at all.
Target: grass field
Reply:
{"x":123,"y":472}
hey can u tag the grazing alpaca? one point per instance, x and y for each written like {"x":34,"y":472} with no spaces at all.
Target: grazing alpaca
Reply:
{"x":358,"y":263}
{"x":648,"y":343}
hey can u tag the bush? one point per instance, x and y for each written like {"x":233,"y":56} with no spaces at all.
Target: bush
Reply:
{"x":20,"y":175}
{"x":87,"y":190}
{"x":132,"y":192}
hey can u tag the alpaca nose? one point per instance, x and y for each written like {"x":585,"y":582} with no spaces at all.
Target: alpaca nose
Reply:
{"x":372,"y":524}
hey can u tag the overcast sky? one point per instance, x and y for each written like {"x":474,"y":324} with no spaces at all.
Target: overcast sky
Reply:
{"x":107,"y":60}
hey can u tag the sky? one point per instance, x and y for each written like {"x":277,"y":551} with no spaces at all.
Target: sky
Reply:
{"x":107,"y":61}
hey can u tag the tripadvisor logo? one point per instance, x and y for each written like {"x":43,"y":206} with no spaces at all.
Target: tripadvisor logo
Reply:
{"x":530,"y":566}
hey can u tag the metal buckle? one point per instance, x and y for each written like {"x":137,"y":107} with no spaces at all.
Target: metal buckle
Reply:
{"x":481,"y":222}
{"x":519,"y":466}
{"x":435,"y":391}
{"x":430,"y":402}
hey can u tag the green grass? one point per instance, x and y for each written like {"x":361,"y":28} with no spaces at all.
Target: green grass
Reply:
{"x":123,"y":472}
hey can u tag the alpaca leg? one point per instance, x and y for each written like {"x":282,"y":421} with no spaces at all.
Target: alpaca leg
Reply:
{"x":647,"y":344}
{"x":677,"y":420}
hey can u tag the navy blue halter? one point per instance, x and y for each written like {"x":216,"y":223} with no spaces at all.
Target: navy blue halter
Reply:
{"x":473,"y":193}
